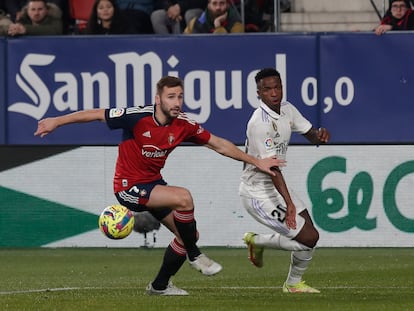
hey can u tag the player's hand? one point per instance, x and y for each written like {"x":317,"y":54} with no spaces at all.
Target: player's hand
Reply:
{"x":323,"y":135}
{"x":267,"y":165}
{"x":46,"y":126}
{"x":290,"y":219}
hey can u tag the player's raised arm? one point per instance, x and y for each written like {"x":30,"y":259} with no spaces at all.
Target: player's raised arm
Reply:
{"x":228,"y":149}
{"x":48,"y":125}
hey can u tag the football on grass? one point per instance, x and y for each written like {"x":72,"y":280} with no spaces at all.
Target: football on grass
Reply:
{"x":116,"y":222}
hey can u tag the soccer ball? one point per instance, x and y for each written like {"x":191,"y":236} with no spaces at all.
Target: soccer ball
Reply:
{"x":116,"y":222}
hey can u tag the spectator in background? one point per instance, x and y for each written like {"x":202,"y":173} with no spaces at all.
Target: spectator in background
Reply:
{"x":172,"y":16}
{"x":138,"y":13}
{"x":15,"y":8}
{"x":38,"y":18}
{"x":398,"y":17}
{"x":218,"y":17}
{"x":5,"y":20}
{"x":107,"y":19}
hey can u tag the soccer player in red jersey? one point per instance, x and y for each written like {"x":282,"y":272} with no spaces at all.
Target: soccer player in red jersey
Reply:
{"x":150,"y":134}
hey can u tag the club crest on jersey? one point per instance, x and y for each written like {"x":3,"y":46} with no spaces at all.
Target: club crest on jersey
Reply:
{"x":171,"y":138}
{"x":200,"y":130}
{"x":116,"y":112}
{"x":268,"y":143}
{"x":275,"y":129}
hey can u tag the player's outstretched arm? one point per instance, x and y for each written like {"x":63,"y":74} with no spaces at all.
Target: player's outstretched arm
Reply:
{"x":48,"y":125}
{"x":228,"y":149}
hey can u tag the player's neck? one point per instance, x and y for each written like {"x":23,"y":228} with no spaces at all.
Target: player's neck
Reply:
{"x":161,"y":118}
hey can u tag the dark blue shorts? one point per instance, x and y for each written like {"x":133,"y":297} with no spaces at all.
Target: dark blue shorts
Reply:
{"x":136,"y":198}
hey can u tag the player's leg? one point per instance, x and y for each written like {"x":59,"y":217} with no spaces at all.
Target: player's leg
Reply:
{"x":270,"y":212}
{"x":180,"y":200}
{"x":305,"y":239}
{"x":174,"y":258}
{"x":300,"y":260}
{"x":309,"y":235}
{"x":136,"y":199}
{"x":158,"y":196}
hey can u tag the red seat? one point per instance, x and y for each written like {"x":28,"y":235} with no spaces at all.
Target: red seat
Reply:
{"x":80,"y":10}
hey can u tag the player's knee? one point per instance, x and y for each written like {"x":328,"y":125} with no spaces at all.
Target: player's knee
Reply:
{"x":312,"y":238}
{"x":308,"y":237}
{"x":184,"y":200}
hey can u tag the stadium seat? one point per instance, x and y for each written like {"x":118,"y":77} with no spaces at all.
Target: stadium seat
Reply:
{"x":80,"y":10}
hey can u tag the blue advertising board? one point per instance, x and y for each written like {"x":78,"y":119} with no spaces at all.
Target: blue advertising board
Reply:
{"x":51,"y":76}
{"x":2,"y":92}
{"x":367,"y":87}
{"x":358,"y":85}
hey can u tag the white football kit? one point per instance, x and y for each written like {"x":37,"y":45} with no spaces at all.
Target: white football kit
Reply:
{"x":268,"y":134}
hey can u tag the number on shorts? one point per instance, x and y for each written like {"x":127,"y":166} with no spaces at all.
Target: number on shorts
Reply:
{"x":280,"y":213}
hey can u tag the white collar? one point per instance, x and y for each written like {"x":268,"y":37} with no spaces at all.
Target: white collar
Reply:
{"x":269,"y":111}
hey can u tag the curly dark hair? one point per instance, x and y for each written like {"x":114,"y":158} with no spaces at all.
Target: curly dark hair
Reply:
{"x":266,"y":72}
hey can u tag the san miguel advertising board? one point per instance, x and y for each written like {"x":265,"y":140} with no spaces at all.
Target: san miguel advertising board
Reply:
{"x":357,"y":85}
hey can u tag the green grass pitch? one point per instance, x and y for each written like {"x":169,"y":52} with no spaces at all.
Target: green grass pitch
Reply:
{"x":115,"y":279}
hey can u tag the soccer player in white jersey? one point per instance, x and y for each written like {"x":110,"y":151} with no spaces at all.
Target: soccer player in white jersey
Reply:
{"x":266,"y":197}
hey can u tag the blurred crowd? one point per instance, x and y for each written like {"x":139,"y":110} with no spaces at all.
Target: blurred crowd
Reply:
{"x":100,"y":17}
{"x":55,"y":17}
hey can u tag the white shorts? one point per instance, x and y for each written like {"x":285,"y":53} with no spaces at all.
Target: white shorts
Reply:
{"x":269,"y":208}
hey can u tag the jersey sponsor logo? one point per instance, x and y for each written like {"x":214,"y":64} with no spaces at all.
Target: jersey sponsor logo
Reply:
{"x":268,"y":143}
{"x":116,"y":112}
{"x":281,"y":148}
{"x":147,"y":134}
{"x":151,"y":151}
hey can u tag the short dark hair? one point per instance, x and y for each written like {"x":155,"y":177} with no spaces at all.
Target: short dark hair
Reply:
{"x":169,"y":82}
{"x":266,"y":72}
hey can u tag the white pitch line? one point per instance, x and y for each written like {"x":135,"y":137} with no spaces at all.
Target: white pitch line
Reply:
{"x":45,"y":290}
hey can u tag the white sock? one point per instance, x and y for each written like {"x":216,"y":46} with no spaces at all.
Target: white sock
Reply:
{"x":278,"y":241}
{"x":298,"y":264}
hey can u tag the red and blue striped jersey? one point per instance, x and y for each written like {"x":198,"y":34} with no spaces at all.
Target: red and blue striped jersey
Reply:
{"x":146,"y":144}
